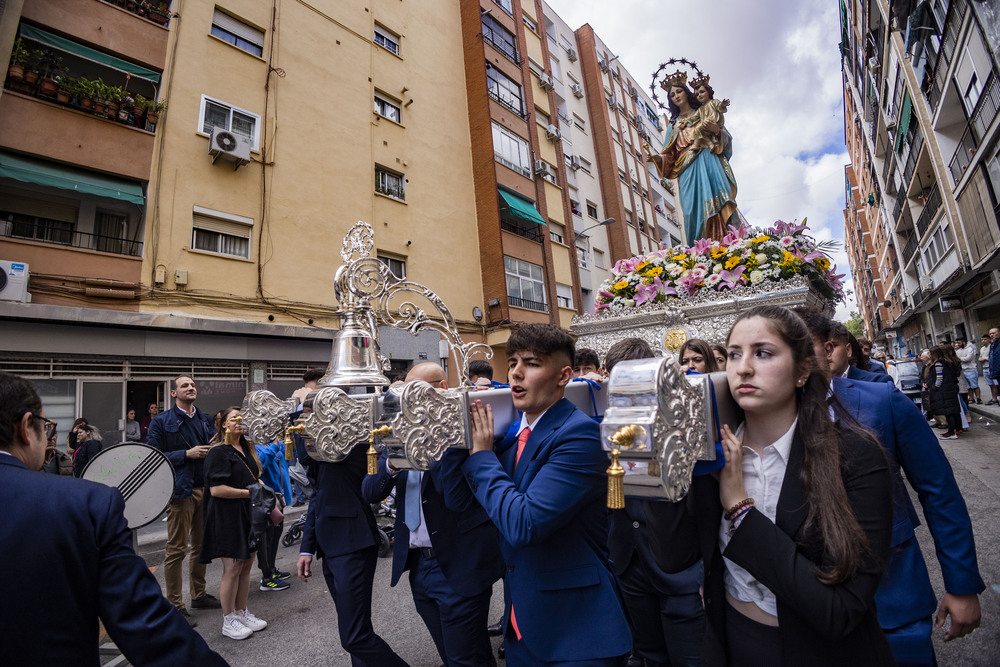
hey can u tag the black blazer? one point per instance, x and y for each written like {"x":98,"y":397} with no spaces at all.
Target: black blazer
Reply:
{"x":820,"y":624}
{"x":465,"y":543}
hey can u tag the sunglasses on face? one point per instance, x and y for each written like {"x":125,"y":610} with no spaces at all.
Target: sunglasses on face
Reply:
{"x":50,"y":426}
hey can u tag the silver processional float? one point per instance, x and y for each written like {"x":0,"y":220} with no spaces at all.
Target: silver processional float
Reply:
{"x":657,"y":420}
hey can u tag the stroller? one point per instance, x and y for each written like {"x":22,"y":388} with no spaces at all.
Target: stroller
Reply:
{"x":385,"y":520}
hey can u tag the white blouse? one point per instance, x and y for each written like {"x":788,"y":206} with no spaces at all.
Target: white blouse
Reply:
{"x":762,"y":479}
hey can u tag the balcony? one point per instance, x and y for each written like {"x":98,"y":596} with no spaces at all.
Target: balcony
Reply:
{"x":60,"y":233}
{"x":495,"y":39}
{"x":929,"y":211}
{"x":527,"y":303}
{"x":508,"y":102}
{"x":982,"y":117}
{"x":64,"y":134}
{"x":910,"y":249}
{"x":527,"y":230}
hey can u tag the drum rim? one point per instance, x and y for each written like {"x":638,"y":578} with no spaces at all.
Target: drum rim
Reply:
{"x":83,"y":475}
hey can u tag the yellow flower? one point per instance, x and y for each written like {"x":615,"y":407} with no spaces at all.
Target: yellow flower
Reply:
{"x":718,"y":252}
{"x":653,"y":272}
{"x":822,"y":263}
{"x":787,"y":257}
{"x":641,"y":267}
{"x":621,"y":284}
{"x":679,"y":258}
{"x":760,"y":239}
{"x":731,"y":262}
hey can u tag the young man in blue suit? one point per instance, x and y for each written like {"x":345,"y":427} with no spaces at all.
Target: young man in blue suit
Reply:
{"x":545,"y":490}
{"x":340,"y":529}
{"x":453,"y":556}
{"x":69,"y":543}
{"x":905,"y":599}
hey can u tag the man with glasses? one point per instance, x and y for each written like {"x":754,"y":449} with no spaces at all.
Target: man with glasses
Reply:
{"x":56,"y":462}
{"x":73,"y":552}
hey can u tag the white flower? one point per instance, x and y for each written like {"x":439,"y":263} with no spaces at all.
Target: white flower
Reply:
{"x":786,"y":241}
{"x":761,"y":258}
{"x":717,"y":268}
{"x":712,"y":280}
{"x":630,"y":303}
{"x":756,"y":277}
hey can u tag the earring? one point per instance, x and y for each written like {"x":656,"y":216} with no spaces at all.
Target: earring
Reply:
{"x":800,"y":382}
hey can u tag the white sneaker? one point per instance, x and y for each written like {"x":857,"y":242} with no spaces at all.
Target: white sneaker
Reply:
{"x":249,"y":620}
{"x":233,"y":628}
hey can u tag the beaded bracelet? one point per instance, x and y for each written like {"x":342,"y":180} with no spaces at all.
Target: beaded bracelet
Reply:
{"x":732,"y":511}
{"x":737,"y":520}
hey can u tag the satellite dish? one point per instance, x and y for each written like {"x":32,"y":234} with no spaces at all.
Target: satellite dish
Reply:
{"x":142,"y":474}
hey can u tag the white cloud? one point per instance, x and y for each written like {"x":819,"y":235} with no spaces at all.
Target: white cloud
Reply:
{"x":779,"y":63}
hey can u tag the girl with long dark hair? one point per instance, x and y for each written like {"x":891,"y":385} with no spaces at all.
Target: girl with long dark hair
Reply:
{"x":696,"y":355}
{"x":942,"y":388}
{"x":807,"y":515}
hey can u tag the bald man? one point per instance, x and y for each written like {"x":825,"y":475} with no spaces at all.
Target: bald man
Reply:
{"x":453,"y":556}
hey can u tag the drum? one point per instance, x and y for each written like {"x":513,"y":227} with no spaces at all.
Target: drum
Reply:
{"x":142,"y":474}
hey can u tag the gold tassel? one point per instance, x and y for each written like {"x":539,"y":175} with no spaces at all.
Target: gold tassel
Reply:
{"x":616,"y":483}
{"x":290,"y":442}
{"x":372,"y":452}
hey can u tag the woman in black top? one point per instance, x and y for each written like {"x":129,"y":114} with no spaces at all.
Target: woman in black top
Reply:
{"x":942,"y":387}
{"x":230,"y":467}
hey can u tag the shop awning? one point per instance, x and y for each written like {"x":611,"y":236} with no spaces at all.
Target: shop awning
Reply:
{"x":50,"y":174}
{"x":521,"y":207}
{"x":61,"y":43}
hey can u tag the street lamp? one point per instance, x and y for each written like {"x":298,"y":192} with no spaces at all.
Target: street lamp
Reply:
{"x":602,"y":223}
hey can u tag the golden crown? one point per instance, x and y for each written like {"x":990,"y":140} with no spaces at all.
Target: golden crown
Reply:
{"x":699,"y":81}
{"x":678,"y":78}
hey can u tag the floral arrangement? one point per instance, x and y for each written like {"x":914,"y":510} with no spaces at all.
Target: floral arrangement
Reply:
{"x":745,"y":256}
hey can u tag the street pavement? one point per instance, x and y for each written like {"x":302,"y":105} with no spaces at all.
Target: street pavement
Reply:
{"x":302,"y":629}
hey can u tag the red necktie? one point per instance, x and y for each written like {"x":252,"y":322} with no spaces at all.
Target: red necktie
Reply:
{"x":522,"y":440}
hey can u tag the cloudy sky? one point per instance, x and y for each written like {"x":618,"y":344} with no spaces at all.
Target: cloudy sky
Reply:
{"x":778,"y":61}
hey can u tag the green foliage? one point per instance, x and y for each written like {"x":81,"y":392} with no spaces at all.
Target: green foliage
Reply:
{"x":854,"y":325}
{"x":19,"y":55}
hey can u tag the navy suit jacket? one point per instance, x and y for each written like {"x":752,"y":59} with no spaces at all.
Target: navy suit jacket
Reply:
{"x":465,"y":543}
{"x":905,"y":594}
{"x":167,"y":434}
{"x":550,"y":509}
{"x":68,"y":543}
{"x":855,"y":373}
{"x":339,"y":521}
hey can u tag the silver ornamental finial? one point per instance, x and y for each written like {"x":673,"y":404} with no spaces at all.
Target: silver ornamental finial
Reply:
{"x":359,"y":241}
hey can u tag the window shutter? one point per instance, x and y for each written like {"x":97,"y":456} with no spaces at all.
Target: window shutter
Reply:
{"x":221,"y":226}
{"x":238,"y":28}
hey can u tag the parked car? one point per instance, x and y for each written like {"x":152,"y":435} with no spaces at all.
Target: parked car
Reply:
{"x":906,"y":374}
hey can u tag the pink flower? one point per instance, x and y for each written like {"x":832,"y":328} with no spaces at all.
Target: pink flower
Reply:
{"x":701,"y":246}
{"x":735,"y":234}
{"x":731,"y":279}
{"x":605,"y":294}
{"x":786,"y":228}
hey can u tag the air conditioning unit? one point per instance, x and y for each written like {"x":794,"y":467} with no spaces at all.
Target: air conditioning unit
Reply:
{"x":552,"y":133}
{"x":634,"y":93}
{"x":542,"y":168}
{"x":637,"y":119}
{"x":14,"y":281}
{"x":926,"y":283}
{"x":612,"y":102}
{"x":603,"y":64}
{"x":873,"y":64}
{"x":577,"y":90}
{"x":545,"y":81}
{"x":574,"y":162}
{"x":228,"y":146}
{"x":571,"y":54}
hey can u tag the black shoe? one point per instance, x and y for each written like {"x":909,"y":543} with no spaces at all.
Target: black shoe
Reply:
{"x":206,"y":601}
{"x":979,"y":401}
{"x":494,"y":630}
{"x":187,"y":616}
{"x":298,"y":503}
{"x":501,"y":653}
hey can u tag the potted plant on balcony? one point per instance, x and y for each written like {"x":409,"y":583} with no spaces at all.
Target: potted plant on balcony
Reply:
{"x":113,"y":97}
{"x":31,"y":68}
{"x":153,"y":110}
{"x":18,"y":59}
{"x":66,"y":86}
{"x":157,"y":12}
{"x":99,"y":89}
{"x":84,"y":92}
{"x":49,"y":66}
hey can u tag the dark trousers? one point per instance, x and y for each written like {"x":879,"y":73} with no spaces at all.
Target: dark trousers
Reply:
{"x":457,"y":624}
{"x":911,"y":644}
{"x":518,"y":655}
{"x":751,"y":644}
{"x":267,"y":552}
{"x":349,"y":578}
{"x":667,"y":628}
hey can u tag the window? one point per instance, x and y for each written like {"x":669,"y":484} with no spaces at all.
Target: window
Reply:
{"x":500,"y":38}
{"x":564,"y":296}
{"x":650,"y":114}
{"x":511,"y":150}
{"x":574,"y":207}
{"x":387,"y":40}
{"x":592,"y":210}
{"x":396,"y":265}
{"x":621,"y":176}
{"x":530,"y":22}
{"x":556,"y":232}
{"x":238,"y":33}
{"x":221,"y":233}
{"x":581,"y":257}
{"x":387,"y":109}
{"x":219,"y":114}
{"x":390,"y":184}
{"x":504,"y":90}
{"x":110,"y":232}
{"x":599,"y":259}
{"x":525,"y":284}
{"x":585,"y":164}
{"x":506,"y":6}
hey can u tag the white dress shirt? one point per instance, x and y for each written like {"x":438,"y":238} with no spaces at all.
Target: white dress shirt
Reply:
{"x":762,"y":479}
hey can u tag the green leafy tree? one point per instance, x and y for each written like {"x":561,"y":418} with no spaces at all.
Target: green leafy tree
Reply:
{"x":854,"y":325}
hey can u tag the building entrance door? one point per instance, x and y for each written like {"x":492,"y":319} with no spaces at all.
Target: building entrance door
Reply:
{"x":102,"y":405}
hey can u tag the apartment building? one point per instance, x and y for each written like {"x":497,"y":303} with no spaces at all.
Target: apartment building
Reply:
{"x":207,"y":243}
{"x":921,"y":95}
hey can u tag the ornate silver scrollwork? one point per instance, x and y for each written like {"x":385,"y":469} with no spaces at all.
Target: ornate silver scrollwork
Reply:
{"x":359,"y":240}
{"x":682,"y":409}
{"x":265,"y":416}
{"x":429,"y":422}
{"x":336,"y":423}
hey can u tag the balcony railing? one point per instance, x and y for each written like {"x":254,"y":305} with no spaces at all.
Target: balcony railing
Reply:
{"x":513,"y":103}
{"x":986,"y":108}
{"x":931,"y":207}
{"x":963,"y":155}
{"x":910,"y":249}
{"x":530,"y":231}
{"x":527,"y":303}
{"x":62,"y":234}
{"x":495,"y":39}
